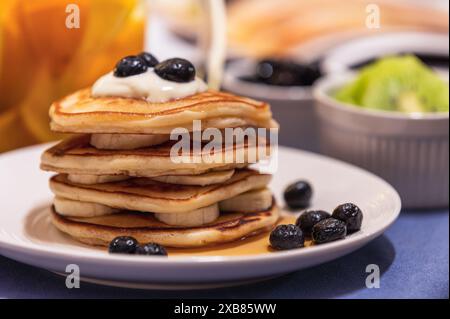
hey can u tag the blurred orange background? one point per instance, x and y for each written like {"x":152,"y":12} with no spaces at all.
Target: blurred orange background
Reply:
{"x":42,"y":60}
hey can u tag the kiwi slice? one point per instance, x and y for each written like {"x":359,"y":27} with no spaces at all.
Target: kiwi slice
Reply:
{"x":401,"y":83}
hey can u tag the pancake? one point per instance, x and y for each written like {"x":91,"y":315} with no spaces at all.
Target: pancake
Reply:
{"x":201,"y":179}
{"x":82,"y":113}
{"x":146,"y":195}
{"x":145,"y":228}
{"x":76,"y":156}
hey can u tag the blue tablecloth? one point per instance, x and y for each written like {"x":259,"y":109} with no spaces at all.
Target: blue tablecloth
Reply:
{"x":413,"y":256}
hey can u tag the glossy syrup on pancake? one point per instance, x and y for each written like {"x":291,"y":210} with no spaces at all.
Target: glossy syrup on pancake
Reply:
{"x":255,"y":244}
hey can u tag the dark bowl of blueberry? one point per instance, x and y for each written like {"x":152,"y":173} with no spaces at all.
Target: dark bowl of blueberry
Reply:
{"x":285,"y":84}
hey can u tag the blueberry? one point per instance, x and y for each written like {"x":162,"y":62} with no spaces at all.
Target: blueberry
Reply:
{"x":149,"y":59}
{"x":285,"y":73}
{"x":123,"y":245}
{"x":151,"y":249}
{"x":298,"y":194}
{"x":287,"y":237}
{"x":310,"y":74}
{"x":350,"y":214}
{"x":176,"y":70}
{"x":275,"y":72}
{"x":327,"y":230}
{"x":130,"y":65}
{"x":308,"y":219}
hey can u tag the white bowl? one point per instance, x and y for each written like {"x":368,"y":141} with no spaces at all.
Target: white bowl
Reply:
{"x":410,"y":151}
{"x":292,"y":107}
{"x":362,"y":49}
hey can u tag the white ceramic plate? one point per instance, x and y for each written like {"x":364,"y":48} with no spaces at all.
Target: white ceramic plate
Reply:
{"x":27,"y":236}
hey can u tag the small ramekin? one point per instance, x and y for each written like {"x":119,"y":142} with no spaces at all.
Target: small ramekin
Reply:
{"x":410,"y":151}
{"x":292,"y":107}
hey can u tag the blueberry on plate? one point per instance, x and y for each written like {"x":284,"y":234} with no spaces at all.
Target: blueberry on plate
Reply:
{"x":176,"y":70}
{"x":123,"y":245}
{"x":308,"y":219}
{"x":298,"y":195}
{"x":151,"y":249}
{"x":130,"y":65}
{"x":149,"y":59}
{"x":329,"y":229}
{"x":287,"y":237}
{"x":350,"y":214}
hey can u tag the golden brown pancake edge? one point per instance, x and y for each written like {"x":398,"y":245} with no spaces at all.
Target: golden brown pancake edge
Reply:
{"x":79,"y":112}
{"x":223,"y":230}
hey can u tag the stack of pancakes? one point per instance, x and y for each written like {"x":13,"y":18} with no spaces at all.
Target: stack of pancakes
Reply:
{"x":116,"y":176}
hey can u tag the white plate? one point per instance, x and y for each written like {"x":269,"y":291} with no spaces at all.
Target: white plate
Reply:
{"x":27,"y":236}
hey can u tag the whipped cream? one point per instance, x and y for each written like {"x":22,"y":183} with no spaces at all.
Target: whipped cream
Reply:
{"x":147,"y":85}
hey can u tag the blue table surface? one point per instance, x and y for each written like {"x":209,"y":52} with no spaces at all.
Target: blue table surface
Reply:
{"x":412,"y":256}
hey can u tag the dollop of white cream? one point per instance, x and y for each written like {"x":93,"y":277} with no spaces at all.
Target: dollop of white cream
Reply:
{"x":147,"y":86}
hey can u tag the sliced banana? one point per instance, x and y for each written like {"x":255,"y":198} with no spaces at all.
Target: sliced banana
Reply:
{"x":210,"y":178}
{"x":252,"y":201}
{"x":127,"y":141}
{"x":68,"y":207}
{"x":95,"y":179}
{"x":193,"y":218}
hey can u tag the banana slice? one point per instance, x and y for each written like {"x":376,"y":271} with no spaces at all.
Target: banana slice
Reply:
{"x":68,"y":207}
{"x":127,"y":141}
{"x":95,"y":179}
{"x":193,"y":218}
{"x":252,"y":201}
{"x":210,"y":178}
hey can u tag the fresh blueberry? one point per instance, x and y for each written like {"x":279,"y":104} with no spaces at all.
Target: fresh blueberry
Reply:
{"x":308,"y":219}
{"x":327,"y":230}
{"x":130,"y":65}
{"x":176,"y":70}
{"x":287,"y":237}
{"x":298,"y":195}
{"x":151,"y":249}
{"x":350,"y":214}
{"x":149,"y":59}
{"x":123,"y":245}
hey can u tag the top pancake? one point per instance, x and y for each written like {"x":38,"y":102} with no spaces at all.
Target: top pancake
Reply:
{"x":82,"y":113}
